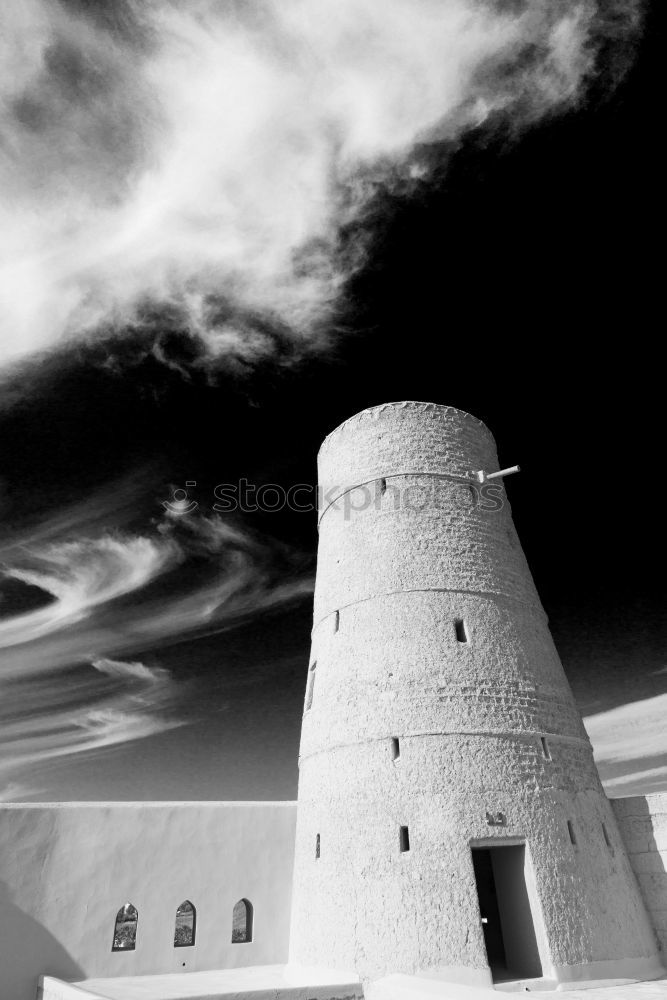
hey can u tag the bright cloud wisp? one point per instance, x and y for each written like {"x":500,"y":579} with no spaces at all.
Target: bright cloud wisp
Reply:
{"x":205,"y":154}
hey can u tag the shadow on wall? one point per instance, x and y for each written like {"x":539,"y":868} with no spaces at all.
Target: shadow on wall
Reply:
{"x":27,"y":950}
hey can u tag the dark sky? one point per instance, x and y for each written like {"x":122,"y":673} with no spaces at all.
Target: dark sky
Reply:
{"x":155,"y":655}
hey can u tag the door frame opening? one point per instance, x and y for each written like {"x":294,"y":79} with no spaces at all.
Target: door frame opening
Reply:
{"x":509,"y":911}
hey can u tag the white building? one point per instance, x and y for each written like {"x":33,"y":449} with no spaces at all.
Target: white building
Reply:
{"x":450,"y":820}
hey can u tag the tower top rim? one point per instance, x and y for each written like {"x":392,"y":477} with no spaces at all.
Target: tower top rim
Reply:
{"x":373,"y":412}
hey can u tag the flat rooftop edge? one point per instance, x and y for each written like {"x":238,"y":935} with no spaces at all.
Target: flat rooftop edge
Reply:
{"x":265,"y":982}
{"x":149,"y":804}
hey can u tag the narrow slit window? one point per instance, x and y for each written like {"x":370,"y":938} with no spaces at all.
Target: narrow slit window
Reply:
{"x":461,"y":631}
{"x":317,"y":847}
{"x":242,"y":919}
{"x":336,"y":621}
{"x":383,"y":486}
{"x":404,"y":839}
{"x":546,"y":752}
{"x":605,"y":834}
{"x":570,"y":830}
{"x":311,"y":687}
{"x":125,"y":929}
{"x":395,"y":748}
{"x":186,"y":925}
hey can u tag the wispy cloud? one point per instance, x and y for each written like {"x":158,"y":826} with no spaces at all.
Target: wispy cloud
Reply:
{"x":206,"y":154}
{"x":66,"y":686}
{"x":81,"y":576}
{"x":116,"y":668}
{"x":134,"y":702}
{"x":239,"y":574}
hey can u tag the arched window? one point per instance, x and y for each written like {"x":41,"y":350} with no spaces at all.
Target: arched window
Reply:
{"x":242,"y":922}
{"x":125,"y":930}
{"x":186,"y":925}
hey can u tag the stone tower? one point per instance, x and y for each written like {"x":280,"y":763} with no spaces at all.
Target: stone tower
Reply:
{"x":451,"y":821}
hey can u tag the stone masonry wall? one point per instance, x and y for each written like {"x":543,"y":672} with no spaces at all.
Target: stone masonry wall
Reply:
{"x":67,"y":868}
{"x":491,"y":746}
{"x":642,"y":821}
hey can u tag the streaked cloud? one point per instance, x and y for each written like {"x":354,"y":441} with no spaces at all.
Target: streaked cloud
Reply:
{"x":116,"y":668}
{"x":629,"y":746}
{"x":81,"y":576}
{"x":89,"y":577}
{"x":67,"y":686}
{"x":643,"y":782}
{"x":131,"y":702}
{"x":629,"y":732}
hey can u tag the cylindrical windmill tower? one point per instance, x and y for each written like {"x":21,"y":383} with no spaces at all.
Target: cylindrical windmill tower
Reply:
{"x":451,"y":820}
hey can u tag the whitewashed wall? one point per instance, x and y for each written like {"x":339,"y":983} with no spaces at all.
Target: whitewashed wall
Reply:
{"x":642,"y":821}
{"x":66,"y":869}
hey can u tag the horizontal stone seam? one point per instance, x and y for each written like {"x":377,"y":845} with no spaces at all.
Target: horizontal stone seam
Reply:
{"x":464,"y":480}
{"x":492,"y":595}
{"x":498,"y":733}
